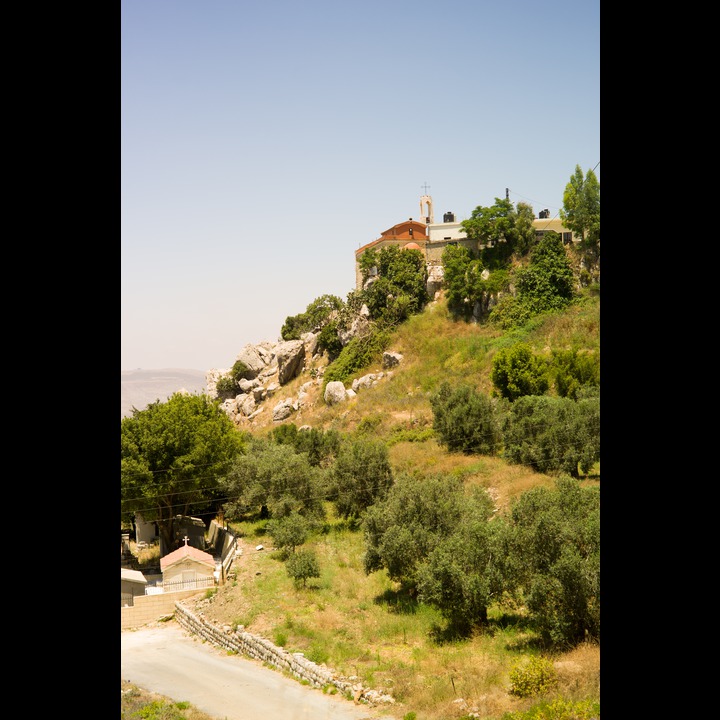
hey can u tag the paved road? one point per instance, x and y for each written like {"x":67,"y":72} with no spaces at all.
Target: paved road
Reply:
{"x":166,"y":659}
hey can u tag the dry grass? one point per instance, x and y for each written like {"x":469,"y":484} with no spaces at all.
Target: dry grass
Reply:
{"x":149,"y":555}
{"x":363,"y":625}
{"x":136,"y":702}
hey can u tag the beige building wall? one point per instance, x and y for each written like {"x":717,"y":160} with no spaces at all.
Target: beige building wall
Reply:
{"x":150,"y":608}
{"x":188,"y":565}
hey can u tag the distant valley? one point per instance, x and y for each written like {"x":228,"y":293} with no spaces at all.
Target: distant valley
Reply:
{"x":139,"y":388}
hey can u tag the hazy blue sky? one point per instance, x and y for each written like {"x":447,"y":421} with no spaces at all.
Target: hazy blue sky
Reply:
{"x":263,"y":142}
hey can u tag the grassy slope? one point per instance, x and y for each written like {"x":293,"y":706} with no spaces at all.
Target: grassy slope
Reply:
{"x":360,"y":625}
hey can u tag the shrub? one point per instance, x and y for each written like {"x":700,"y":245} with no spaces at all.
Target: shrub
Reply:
{"x":358,"y":354}
{"x":303,"y":565}
{"x":573,"y":369}
{"x":517,"y":371}
{"x":535,"y":676}
{"x":509,"y":312}
{"x":227,"y":387}
{"x":240,"y":371}
{"x":558,"y":709}
{"x":465,"y":420}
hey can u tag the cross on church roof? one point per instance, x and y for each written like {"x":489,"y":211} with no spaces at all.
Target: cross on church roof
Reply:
{"x":425,"y":187}
{"x":186,"y":538}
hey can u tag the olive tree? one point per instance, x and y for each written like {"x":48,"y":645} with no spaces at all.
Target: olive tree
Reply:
{"x":361,"y":476}
{"x":274,"y":480}
{"x":553,"y":434}
{"x":464,"y":574}
{"x":554,"y":554}
{"x":465,"y":420}
{"x":401,"y":530}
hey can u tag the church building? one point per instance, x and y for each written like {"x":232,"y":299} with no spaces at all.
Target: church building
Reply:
{"x":432,"y":238}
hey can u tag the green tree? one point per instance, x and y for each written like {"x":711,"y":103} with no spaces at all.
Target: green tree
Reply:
{"x":174,"y":456}
{"x":399,"y":288}
{"x":317,"y":314}
{"x":555,"y":555}
{"x":303,"y":565}
{"x":573,"y":370}
{"x":276,"y":480}
{"x":329,"y":340}
{"x":465,"y":420}
{"x":517,"y":371}
{"x":464,"y":574}
{"x":581,"y":205}
{"x":547,"y":282}
{"x":401,"y":530}
{"x":458,"y":263}
{"x":500,"y":231}
{"x":321,"y":446}
{"x":524,"y":229}
{"x":553,"y":434}
{"x":288,"y":532}
{"x":361,"y":476}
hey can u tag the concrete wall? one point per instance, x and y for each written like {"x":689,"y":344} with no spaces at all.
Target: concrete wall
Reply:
{"x":150,"y":608}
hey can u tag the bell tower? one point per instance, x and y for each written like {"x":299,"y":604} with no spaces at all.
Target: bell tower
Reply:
{"x":426,"y":207}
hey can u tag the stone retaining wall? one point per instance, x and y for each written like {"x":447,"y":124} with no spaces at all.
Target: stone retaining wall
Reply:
{"x":263,"y":650}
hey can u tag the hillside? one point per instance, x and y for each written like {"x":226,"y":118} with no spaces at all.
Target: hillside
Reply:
{"x":362,"y":625}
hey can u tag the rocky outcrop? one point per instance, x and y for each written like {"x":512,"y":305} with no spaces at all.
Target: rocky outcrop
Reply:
{"x":252,"y":357}
{"x":290,"y":357}
{"x":273,"y":365}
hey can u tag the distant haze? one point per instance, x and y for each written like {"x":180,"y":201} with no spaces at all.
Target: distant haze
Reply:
{"x":139,"y":388}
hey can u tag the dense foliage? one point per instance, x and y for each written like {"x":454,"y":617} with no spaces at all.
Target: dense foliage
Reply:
{"x":553,"y":434}
{"x":173,"y":459}
{"x":361,"y":476}
{"x":321,"y":446}
{"x":555,"y":551}
{"x":274,"y":480}
{"x":316,"y":316}
{"x":502,"y":231}
{"x":574,"y":371}
{"x":360,"y":352}
{"x":581,"y":206}
{"x":464,"y":574}
{"x":401,"y":530}
{"x":465,"y":420}
{"x":546,"y":283}
{"x":394,"y":284}
{"x":518,"y":371}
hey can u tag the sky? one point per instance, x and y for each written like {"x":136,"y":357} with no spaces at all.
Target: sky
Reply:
{"x":263,"y":142}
